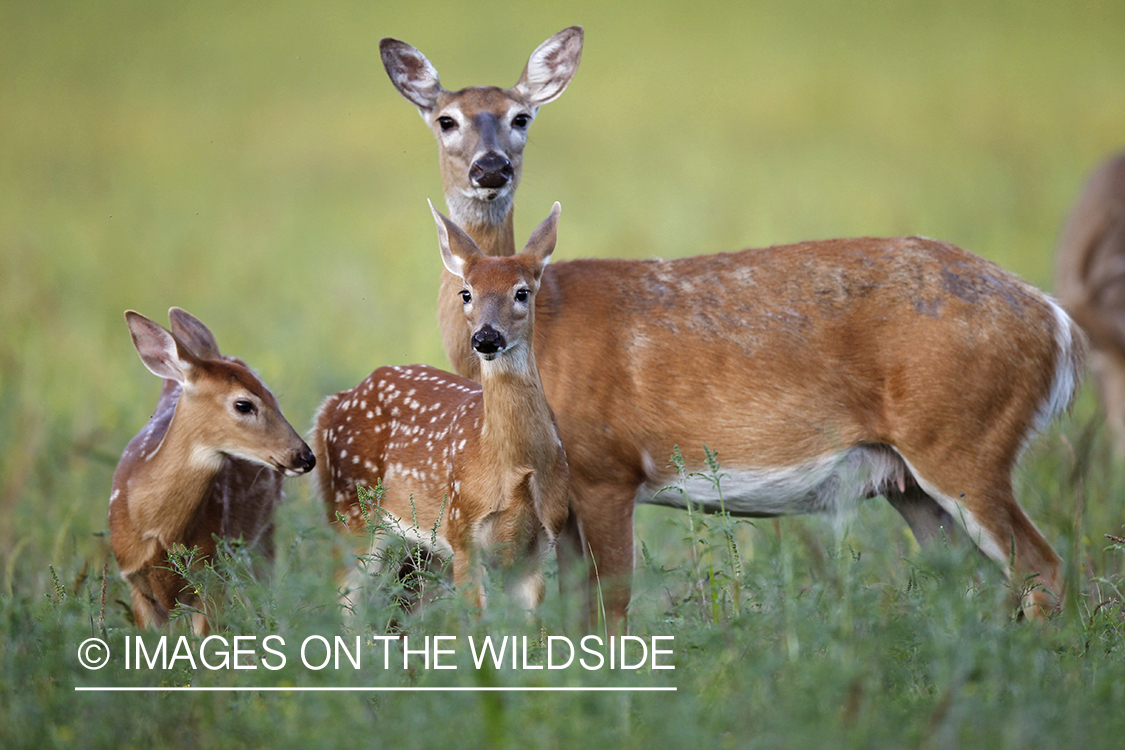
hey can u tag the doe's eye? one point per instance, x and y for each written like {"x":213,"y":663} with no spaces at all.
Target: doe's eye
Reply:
{"x":243,"y":406}
{"x":522,"y":295}
{"x":466,"y":297}
{"x":521,"y":121}
{"x":446,"y":123}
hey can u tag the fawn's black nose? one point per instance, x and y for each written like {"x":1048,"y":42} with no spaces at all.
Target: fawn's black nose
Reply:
{"x":303,"y":460}
{"x":488,"y":340}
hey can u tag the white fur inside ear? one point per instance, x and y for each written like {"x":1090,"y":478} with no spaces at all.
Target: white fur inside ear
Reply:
{"x":412,"y":74}
{"x":551,"y":67}
{"x":452,"y":263}
{"x":539,"y":69}
{"x":158,"y":349}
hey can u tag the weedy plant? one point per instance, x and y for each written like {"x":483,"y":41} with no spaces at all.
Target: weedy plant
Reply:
{"x":716,"y":564}
{"x":398,"y":575}
{"x":234,"y":573}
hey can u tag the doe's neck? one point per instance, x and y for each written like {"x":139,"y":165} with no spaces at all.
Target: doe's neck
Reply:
{"x":489,"y":224}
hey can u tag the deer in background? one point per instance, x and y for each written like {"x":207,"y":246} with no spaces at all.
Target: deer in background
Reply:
{"x":473,"y":471}
{"x":1090,"y":281}
{"x":820,"y":373}
{"x":208,"y":464}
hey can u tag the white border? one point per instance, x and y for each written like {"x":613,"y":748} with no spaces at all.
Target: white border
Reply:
{"x":375,"y":689}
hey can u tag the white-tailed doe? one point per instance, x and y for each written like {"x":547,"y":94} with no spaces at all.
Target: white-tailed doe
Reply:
{"x":476,"y":471}
{"x":820,"y":372}
{"x":1090,"y":279}
{"x":209,"y":463}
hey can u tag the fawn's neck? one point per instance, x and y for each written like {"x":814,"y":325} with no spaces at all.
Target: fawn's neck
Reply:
{"x":167,"y":486}
{"x":518,"y":426}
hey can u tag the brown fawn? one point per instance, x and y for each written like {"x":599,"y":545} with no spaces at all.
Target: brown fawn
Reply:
{"x":208,"y":464}
{"x":820,"y":373}
{"x":1090,"y":281}
{"x":476,"y":471}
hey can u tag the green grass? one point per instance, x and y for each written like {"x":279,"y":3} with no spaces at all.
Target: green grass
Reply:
{"x":252,"y":164}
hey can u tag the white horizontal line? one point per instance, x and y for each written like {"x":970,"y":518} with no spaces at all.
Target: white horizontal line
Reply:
{"x":376,"y":689}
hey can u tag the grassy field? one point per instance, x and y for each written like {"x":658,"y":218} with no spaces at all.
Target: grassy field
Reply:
{"x":252,"y":164}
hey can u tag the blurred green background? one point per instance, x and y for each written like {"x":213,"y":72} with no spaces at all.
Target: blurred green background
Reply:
{"x":252,"y":164}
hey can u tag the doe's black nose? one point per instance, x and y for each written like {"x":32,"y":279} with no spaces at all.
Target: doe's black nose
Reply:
{"x":493,"y":170}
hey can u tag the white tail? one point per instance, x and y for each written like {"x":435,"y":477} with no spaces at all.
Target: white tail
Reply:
{"x":1090,"y":278}
{"x":209,"y":462}
{"x":821,"y":372}
{"x":476,"y":471}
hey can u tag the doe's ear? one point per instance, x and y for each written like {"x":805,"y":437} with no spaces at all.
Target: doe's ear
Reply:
{"x":542,"y":241}
{"x":192,"y":333}
{"x":551,"y":67}
{"x":411,"y":73}
{"x":457,"y":248}
{"x":160,"y":352}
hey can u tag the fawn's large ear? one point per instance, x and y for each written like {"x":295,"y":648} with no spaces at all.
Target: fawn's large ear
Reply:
{"x":411,"y":73}
{"x":191,"y":332}
{"x":160,"y":352}
{"x":551,"y":67}
{"x":542,"y":241}
{"x":457,"y":248}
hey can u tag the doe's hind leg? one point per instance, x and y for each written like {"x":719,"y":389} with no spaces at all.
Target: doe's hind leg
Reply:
{"x":930,"y":523}
{"x":989,"y":514}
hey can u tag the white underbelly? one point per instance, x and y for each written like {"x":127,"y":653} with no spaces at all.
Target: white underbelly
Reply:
{"x":829,"y":484}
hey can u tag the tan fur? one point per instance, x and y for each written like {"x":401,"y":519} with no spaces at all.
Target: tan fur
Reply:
{"x":199,"y":469}
{"x":475,"y":469}
{"x":1090,"y":281}
{"x":906,"y":353}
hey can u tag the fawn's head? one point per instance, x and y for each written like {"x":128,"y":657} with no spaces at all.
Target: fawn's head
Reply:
{"x":497,"y":294}
{"x":224,"y":408}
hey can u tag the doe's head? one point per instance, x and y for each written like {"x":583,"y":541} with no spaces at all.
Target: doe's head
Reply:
{"x":481,"y":131}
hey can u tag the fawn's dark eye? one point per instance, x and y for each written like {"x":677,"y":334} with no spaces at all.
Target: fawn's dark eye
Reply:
{"x":243,"y":406}
{"x":521,"y":121}
{"x":522,"y":295}
{"x":446,"y":123}
{"x":466,"y":297}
